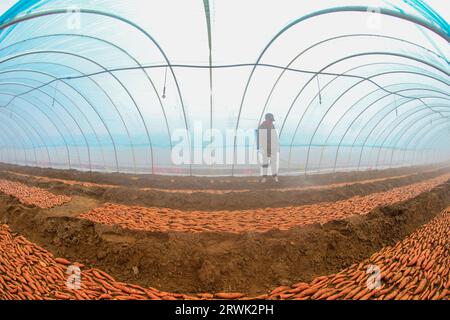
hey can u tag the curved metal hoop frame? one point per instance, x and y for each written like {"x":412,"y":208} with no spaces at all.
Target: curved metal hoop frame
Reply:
{"x":31,"y":131}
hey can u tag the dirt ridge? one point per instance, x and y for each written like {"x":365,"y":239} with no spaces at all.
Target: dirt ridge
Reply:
{"x":229,"y":201}
{"x":208,"y":262}
{"x":218,"y":183}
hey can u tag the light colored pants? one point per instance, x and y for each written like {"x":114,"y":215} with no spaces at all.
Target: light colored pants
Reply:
{"x":269,"y":162}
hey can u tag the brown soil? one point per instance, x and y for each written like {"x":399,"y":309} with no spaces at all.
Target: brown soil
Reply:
{"x":211,"y":262}
{"x":129,"y":191}
{"x":158,"y":219}
{"x":216,"y":183}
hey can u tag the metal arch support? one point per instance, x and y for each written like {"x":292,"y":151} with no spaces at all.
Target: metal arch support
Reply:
{"x":290,"y":150}
{"x":311,"y":101}
{"x":417,"y":144}
{"x":370,"y":133}
{"x":4,"y":148}
{"x":435,"y":106}
{"x":337,"y":99}
{"x":426,"y":124}
{"x":423,"y":139}
{"x":400,"y":135}
{"x":100,"y":87}
{"x":27,"y":134}
{"x":383,"y":11}
{"x":439,"y":156}
{"x":378,"y":123}
{"x":390,"y":125}
{"x":332,"y":39}
{"x":19,"y":138}
{"x":368,"y":79}
{"x":75,"y":104}
{"x":419,"y":131}
{"x":365,"y":9}
{"x":25,"y":121}
{"x":116,"y":47}
{"x":13,"y":137}
{"x":399,"y":123}
{"x":47,"y":116}
{"x":434,"y":131}
{"x":329,"y":83}
{"x":420,"y":107}
{"x":360,"y":114}
{"x":119,"y":18}
{"x":398,"y":138}
{"x":56,"y":127}
{"x":62,"y":106}
{"x":109,"y":98}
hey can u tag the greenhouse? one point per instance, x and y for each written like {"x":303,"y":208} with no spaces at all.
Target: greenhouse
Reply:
{"x":244,"y":151}
{"x":107,"y":85}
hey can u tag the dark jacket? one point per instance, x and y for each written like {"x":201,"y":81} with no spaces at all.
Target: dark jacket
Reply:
{"x":267,"y":138}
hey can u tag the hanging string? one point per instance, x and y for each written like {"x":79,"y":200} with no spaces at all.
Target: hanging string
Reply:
{"x":165,"y":83}
{"x":396,"y":106}
{"x":54,"y":95}
{"x":318,"y":86}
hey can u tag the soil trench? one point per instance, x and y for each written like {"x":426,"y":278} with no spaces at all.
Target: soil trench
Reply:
{"x":258,"y":196}
{"x":217,"y":183}
{"x":212,"y":262}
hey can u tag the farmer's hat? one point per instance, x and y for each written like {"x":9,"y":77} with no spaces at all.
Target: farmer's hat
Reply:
{"x":270,"y":117}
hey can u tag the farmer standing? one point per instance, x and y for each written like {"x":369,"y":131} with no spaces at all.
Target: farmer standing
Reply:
{"x":268,"y":146}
